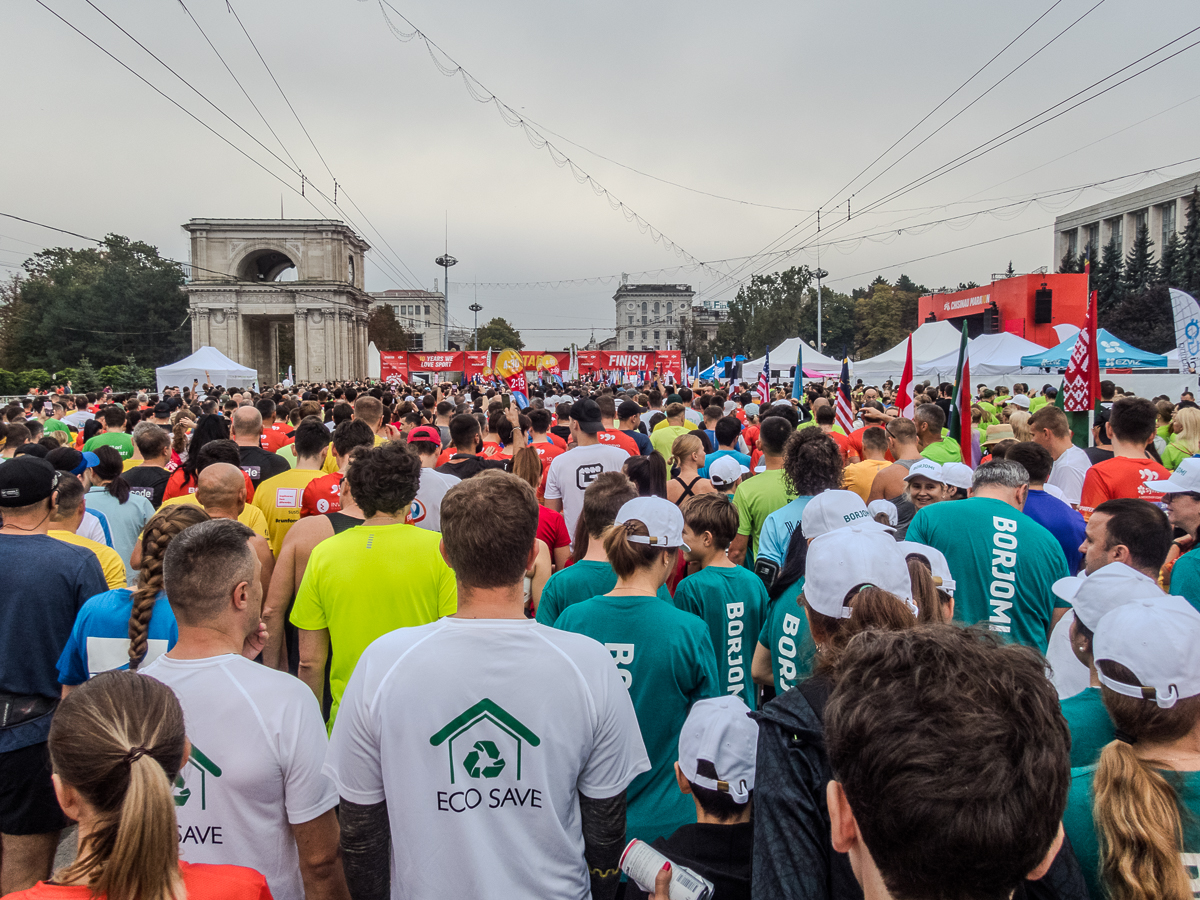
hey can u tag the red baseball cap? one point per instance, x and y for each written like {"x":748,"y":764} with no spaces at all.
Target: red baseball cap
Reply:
{"x":425,"y":433}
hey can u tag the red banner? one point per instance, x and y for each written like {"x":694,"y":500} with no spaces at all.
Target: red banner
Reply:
{"x":474,"y":362}
{"x":436,"y":362}
{"x":393,"y":364}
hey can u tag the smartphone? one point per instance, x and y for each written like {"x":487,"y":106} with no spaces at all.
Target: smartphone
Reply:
{"x":506,"y":399}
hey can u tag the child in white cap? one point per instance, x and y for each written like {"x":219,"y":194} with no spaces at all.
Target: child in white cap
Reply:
{"x":717,"y":749}
{"x":1134,"y":817}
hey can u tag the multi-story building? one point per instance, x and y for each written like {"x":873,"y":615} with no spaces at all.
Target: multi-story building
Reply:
{"x":649,"y":316}
{"x":706,"y":317}
{"x":1161,"y":209}
{"x":422,"y":313}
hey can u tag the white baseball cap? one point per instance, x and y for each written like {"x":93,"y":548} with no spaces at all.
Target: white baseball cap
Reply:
{"x":849,"y":557}
{"x":1158,"y":640}
{"x":888,"y":508}
{"x":730,"y":406}
{"x":1093,"y":596}
{"x":752,"y":409}
{"x":830,"y":510}
{"x":926,"y":468}
{"x":720,"y":731}
{"x":936,"y":560}
{"x":1018,"y":400}
{"x":661,"y":517}
{"x":1185,"y":478}
{"x":725,"y":470}
{"x":957,"y":475}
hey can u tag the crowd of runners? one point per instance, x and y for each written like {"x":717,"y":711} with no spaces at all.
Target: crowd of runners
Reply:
{"x":388,"y":640}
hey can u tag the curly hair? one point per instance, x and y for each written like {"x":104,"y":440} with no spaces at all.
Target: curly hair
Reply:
{"x":384,"y":479}
{"x":165,"y":524}
{"x":811,"y":463}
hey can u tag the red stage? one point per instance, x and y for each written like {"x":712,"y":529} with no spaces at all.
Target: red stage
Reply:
{"x":1025,"y":305}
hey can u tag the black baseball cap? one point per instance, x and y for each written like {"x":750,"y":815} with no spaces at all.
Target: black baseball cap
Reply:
{"x":628,"y":408}
{"x":587,"y":414}
{"x":26,"y":480}
{"x":162,"y":409}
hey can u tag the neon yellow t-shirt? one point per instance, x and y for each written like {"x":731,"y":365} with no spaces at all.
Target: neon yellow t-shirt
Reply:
{"x":250,"y":516}
{"x":278,"y":499}
{"x":367,"y":581}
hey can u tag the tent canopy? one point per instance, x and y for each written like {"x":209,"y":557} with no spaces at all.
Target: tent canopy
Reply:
{"x":206,"y":364}
{"x":931,"y":340}
{"x":1114,"y":354}
{"x":990,"y":354}
{"x":783,"y":358}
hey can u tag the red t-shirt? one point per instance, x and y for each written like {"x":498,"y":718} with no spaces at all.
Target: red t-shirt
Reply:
{"x":322,"y":495}
{"x":275,"y":436}
{"x":619,"y":439}
{"x":844,"y":443}
{"x":557,"y":441}
{"x":446,"y":454}
{"x":176,"y":488}
{"x":1120,"y":476}
{"x":552,"y":528}
{"x":490,"y":450}
{"x":200,"y":881}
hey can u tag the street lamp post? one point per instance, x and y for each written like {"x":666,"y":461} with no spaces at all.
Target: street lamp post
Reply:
{"x":475,"y":308}
{"x":446,"y":261}
{"x":819,"y":274}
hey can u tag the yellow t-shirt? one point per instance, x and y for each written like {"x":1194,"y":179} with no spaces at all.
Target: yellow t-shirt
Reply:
{"x":131,"y":464}
{"x":278,"y":498}
{"x":110,"y":560}
{"x":859,"y":476}
{"x":251,"y":516}
{"x":367,"y":581}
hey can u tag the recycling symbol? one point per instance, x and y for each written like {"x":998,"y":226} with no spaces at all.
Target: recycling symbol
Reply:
{"x":476,"y":764}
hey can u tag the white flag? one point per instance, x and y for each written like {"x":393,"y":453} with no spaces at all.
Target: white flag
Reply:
{"x":1187,"y":329}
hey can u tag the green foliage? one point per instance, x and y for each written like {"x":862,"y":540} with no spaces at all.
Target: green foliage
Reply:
{"x":112,"y":376}
{"x":1190,"y":281}
{"x":1068,"y":264}
{"x":8,"y":382}
{"x":110,"y":302}
{"x":499,"y":335}
{"x":766,"y":312}
{"x":879,"y":321}
{"x":386,"y":331}
{"x":33,"y":378}
{"x":1107,"y":280}
{"x":1141,"y":270}
{"x":83,"y":376}
{"x":837,"y":321}
{"x":1144,"y":319}
{"x":1009,"y":272}
{"x":1171,"y":266}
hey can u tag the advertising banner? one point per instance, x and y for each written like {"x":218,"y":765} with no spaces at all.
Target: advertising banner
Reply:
{"x":393,"y":365}
{"x":436,"y":362}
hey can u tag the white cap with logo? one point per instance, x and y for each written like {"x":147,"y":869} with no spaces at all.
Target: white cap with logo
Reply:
{"x":926,"y":468}
{"x":957,"y":475}
{"x":887,"y":508}
{"x":1185,"y":478}
{"x":830,"y":510}
{"x":725,"y":470}
{"x":855,"y":556}
{"x":1094,"y":596}
{"x":938,"y":565}
{"x":1158,"y":640}
{"x":661,"y":517}
{"x":720,"y":731}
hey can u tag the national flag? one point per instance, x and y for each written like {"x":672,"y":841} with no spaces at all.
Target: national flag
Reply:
{"x":843,"y":410}
{"x":798,"y":380}
{"x":1083,"y":369}
{"x":960,"y":413}
{"x":904,"y":394}
{"x":764,"y":380}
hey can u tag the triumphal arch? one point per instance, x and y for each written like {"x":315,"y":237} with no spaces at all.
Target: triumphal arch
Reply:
{"x":316,"y":322}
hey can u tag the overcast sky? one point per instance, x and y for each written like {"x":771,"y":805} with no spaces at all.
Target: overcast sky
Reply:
{"x":779,"y":104}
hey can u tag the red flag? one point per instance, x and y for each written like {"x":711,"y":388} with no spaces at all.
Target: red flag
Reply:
{"x":1082,"y":382}
{"x":904,"y":394}
{"x":966,"y":427}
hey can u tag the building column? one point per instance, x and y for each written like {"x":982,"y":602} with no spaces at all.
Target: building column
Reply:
{"x":300,"y":324}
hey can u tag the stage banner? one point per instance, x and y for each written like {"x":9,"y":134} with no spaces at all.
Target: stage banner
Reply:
{"x":436,"y":362}
{"x":393,"y":366}
{"x":670,"y":364}
{"x":589,"y":361}
{"x":477,"y":364}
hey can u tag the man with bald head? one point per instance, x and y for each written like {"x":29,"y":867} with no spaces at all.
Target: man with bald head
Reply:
{"x":245,"y":430}
{"x":221,"y":490}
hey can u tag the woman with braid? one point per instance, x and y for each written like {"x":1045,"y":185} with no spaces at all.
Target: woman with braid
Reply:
{"x":116,"y":746}
{"x":125,"y":628}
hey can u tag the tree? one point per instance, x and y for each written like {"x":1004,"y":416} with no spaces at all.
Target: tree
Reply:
{"x":1068,"y":264}
{"x":1106,"y":279}
{"x":692,"y":340}
{"x":1009,"y":272}
{"x":385,"y":330}
{"x":879,"y":321}
{"x":1144,"y":319}
{"x":765,"y":312}
{"x":499,"y":335}
{"x":1191,"y":246}
{"x":1141,"y":270}
{"x":966,"y":285}
{"x":1170,"y":268}
{"x":111,"y":302}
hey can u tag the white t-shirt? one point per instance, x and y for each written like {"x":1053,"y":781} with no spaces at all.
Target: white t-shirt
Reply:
{"x":427,"y":507}
{"x":481,"y":734}
{"x":571,"y":472}
{"x":1068,"y":474}
{"x":258,"y":745}
{"x":91,"y":528}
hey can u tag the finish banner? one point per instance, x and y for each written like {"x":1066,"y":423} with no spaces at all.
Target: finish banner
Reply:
{"x":666,"y":364}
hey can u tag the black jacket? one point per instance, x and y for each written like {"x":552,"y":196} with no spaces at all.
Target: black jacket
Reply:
{"x":793,"y":856}
{"x":720,"y":853}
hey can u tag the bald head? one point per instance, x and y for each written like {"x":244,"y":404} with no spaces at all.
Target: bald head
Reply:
{"x":246,"y":426}
{"x":221,"y":488}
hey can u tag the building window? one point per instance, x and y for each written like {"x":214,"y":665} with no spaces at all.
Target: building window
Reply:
{"x":1141,"y":219}
{"x":668,"y":307}
{"x":631,"y":320}
{"x":1093,"y":241}
{"x":426,"y":323}
{"x":656,"y":307}
{"x":629,"y":337}
{"x":643,"y":320}
{"x":396,"y":310}
{"x":418,"y":341}
{"x":426,"y":309}
{"x":645,"y":307}
{"x":1117,"y":237}
{"x":630,"y":348}
{"x":643,"y":335}
{"x":656,"y":337}
{"x":670,"y":320}
{"x":1073,"y":243}
{"x":1168,"y":221}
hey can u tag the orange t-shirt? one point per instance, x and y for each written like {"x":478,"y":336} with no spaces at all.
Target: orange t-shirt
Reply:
{"x":619,"y":439}
{"x":201,"y":881}
{"x":1120,"y":476}
{"x":322,"y":495}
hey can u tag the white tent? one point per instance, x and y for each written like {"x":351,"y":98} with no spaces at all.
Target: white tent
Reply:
{"x":931,"y":340}
{"x":206,"y":364}
{"x":990,"y":354}
{"x":373,"y":362}
{"x":783,"y":358}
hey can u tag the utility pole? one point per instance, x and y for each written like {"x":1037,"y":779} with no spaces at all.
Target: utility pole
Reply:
{"x":475,"y":308}
{"x":819,"y":274}
{"x":446,"y":261}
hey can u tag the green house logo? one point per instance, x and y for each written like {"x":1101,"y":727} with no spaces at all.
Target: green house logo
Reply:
{"x":203,"y":765}
{"x":484,"y":759}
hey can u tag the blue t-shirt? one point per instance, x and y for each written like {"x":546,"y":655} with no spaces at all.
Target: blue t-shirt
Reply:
{"x":99,"y":641}
{"x":717,"y":454}
{"x":777,"y":531}
{"x":1065,"y":523}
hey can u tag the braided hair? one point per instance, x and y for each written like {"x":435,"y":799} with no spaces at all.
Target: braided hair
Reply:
{"x":166,"y":523}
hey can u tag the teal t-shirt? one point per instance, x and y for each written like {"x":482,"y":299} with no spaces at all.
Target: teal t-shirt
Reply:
{"x":118,"y":440}
{"x":1185,"y":578}
{"x":586,"y":578}
{"x":785,"y":633}
{"x":1003,"y":563}
{"x":733,"y":604}
{"x":666,"y":659}
{"x":755,"y":499}
{"x":1091,"y":728}
{"x":943,"y":451}
{"x":1080,"y":826}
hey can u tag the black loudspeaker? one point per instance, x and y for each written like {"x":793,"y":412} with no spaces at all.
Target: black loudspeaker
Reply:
{"x":1043,"y":307}
{"x":991,"y":320}
{"x":728,"y":369}
{"x":737,"y":372}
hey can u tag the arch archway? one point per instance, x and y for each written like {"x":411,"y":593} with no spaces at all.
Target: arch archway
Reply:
{"x":266,"y":264}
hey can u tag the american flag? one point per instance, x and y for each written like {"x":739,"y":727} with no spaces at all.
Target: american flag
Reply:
{"x":843,"y":411}
{"x":764,"y":380}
